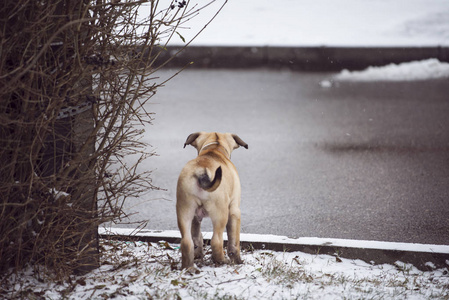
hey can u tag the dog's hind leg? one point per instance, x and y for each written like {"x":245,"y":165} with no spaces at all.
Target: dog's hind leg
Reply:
{"x":219,"y":220}
{"x":185,"y":218}
{"x":233,"y":230}
{"x":197,"y":237}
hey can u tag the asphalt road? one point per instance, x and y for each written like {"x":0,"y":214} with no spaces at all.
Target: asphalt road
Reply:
{"x":356,"y":160}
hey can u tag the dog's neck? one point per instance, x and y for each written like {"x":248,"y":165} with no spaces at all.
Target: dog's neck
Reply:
{"x":219,"y":146}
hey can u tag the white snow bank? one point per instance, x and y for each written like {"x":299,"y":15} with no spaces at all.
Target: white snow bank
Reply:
{"x":320,"y":22}
{"x":151,"y":271}
{"x":313,"y":241}
{"x":408,"y":71}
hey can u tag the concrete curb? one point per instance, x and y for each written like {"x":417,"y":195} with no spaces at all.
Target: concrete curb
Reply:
{"x":299,"y":58}
{"x":422,"y":256}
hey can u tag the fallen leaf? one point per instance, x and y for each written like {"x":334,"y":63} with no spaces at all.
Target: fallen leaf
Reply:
{"x":165,"y":245}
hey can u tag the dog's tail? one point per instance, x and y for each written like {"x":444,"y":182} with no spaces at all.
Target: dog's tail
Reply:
{"x":210,"y":185}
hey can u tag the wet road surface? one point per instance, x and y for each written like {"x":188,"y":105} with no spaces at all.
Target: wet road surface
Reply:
{"x":356,"y":160}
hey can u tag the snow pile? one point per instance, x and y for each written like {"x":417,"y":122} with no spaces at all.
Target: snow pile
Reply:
{"x":140,"y":271}
{"x":320,"y":22}
{"x":409,"y":71}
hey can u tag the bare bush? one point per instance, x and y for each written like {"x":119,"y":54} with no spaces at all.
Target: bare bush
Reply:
{"x":75,"y":77}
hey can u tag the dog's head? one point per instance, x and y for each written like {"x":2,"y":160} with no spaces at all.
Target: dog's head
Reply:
{"x":229,"y":141}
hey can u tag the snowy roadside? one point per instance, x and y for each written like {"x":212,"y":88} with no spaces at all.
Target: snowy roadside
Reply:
{"x":426,"y":69}
{"x":140,"y":270}
{"x":422,"y":256}
{"x":407,"y":71}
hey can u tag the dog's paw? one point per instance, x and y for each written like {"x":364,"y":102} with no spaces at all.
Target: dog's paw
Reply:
{"x":198,"y":254}
{"x":223,"y":261}
{"x":235,"y":259}
{"x":192,"y":270}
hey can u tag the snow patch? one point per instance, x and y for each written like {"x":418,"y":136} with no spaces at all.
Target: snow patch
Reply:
{"x":58,"y":194}
{"x":138,"y":270}
{"x":409,"y":71}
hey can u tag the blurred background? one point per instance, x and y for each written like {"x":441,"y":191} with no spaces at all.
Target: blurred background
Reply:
{"x":332,"y":153}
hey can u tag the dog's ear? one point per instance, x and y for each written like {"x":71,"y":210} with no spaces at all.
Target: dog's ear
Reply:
{"x":239,"y":141}
{"x":191,"y":138}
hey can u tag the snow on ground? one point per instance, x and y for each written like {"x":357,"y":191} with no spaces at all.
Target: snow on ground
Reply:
{"x":320,"y":22}
{"x":138,"y":270}
{"x":409,"y":71}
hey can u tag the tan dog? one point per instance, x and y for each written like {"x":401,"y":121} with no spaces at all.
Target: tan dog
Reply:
{"x":209,"y":186}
